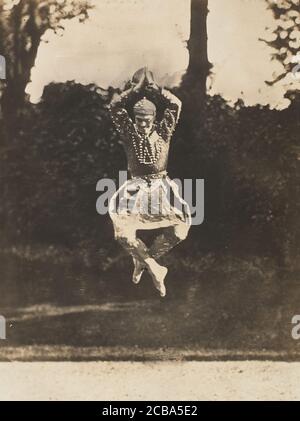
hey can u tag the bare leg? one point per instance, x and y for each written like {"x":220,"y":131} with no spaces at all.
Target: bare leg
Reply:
{"x":139,"y":251}
{"x":168,"y":239}
{"x":126,"y":236}
{"x":139,"y":268}
{"x":161,"y":245}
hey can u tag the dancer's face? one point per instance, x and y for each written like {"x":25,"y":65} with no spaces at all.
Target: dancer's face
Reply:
{"x":144,"y":123}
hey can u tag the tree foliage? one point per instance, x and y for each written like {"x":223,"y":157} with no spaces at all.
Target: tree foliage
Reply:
{"x":22,"y":25}
{"x":287,"y":34}
{"x":247,"y":156}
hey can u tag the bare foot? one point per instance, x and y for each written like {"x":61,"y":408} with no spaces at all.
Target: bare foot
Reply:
{"x":139,"y":268}
{"x":158,"y":274}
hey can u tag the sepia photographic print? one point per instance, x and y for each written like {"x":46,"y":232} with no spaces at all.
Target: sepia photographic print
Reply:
{"x":149,"y":202}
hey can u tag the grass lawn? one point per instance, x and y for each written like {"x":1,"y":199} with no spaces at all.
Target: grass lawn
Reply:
{"x":217,"y":307}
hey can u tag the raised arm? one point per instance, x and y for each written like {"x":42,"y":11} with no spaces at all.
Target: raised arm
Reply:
{"x":117,"y":108}
{"x":174,"y":103}
{"x":172,"y":111}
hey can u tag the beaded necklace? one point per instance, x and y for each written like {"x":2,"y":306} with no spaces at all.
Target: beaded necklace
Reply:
{"x":145,"y":152}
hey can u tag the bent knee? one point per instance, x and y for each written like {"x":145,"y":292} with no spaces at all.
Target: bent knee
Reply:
{"x":181,"y":232}
{"x":124,"y":239}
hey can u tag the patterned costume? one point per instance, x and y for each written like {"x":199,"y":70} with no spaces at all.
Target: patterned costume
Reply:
{"x":150,"y":199}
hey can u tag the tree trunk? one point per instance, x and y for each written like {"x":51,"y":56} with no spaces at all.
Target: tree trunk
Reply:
{"x":20,"y":60}
{"x":194,"y":82}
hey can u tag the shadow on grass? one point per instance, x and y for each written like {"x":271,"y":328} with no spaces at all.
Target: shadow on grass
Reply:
{"x":217,"y":307}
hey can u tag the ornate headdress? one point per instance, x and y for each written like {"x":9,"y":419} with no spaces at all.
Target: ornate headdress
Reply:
{"x":144,"y":107}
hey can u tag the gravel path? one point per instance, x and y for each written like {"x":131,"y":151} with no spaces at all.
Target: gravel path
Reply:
{"x":248,"y":380}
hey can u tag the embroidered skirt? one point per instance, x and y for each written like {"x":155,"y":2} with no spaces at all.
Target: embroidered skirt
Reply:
{"x":149,"y":202}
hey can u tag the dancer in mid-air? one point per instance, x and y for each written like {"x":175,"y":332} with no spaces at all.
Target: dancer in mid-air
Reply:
{"x":143,"y":202}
